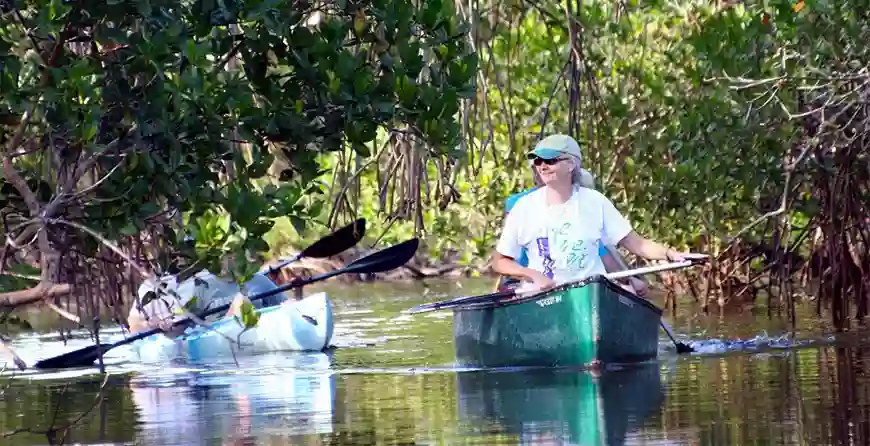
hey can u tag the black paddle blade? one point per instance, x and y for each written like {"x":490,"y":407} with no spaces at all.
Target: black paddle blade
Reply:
{"x":337,"y":242}
{"x":384,"y":260}
{"x":82,"y":357}
{"x":684,"y":348}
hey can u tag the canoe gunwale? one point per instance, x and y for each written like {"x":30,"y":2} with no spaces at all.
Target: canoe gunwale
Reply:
{"x":598,"y":278}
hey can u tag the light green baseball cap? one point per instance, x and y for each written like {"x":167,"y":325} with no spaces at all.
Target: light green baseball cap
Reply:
{"x":554,"y":146}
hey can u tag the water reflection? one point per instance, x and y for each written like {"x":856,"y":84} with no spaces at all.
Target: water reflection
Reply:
{"x":86,"y":410}
{"x":851,"y":399}
{"x":287,"y":396}
{"x":810,"y":396}
{"x":391,"y":382}
{"x":549,"y":406}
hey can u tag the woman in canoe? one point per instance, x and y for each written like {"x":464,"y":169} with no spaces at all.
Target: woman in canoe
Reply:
{"x":160,"y":310}
{"x":561,"y":225}
{"x":610,"y":257}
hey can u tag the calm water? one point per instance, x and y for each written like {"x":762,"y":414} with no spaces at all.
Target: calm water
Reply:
{"x":391,"y":381}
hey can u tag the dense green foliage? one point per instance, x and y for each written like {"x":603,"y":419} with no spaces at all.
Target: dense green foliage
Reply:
{"x":129,"y":126}
{"x":697,"y":117}
{"x":674,"y":148}
{"x":735,"y":129}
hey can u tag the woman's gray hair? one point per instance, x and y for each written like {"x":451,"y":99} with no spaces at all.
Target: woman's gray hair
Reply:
{"x":583,"y":177}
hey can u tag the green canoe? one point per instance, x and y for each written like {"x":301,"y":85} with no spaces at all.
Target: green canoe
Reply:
{"x":559,"y":405}
{"x":581,"y":324}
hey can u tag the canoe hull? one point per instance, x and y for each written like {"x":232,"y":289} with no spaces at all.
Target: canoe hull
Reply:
{"x":585,"y":324}
{"x":294,"y":325}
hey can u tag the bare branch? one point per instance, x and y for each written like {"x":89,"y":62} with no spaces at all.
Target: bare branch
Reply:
{"x":98,"y":182}
{"x":63,"y":313}
{"x":108,"y":243}
{"x":43,"y":290}
{"x":17,"y":138}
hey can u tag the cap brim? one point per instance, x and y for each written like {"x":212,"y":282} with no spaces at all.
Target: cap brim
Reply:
{"x":546,"y":154}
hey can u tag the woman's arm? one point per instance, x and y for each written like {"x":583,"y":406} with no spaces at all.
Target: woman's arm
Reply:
{"x":135,"y":322}
{"x":507,"y":266}
{"x":646,"y":248}
{"x":651,"y":250}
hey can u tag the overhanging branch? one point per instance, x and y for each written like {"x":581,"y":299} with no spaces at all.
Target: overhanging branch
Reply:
{"x":43,"y":290}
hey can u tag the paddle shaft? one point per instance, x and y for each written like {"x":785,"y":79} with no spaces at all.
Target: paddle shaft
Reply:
{"x":681,"y":347}
{"x":620,"y":261}
{"x":283,"y":263}
{"x":330,"y":245}
{"x":650,"y":269}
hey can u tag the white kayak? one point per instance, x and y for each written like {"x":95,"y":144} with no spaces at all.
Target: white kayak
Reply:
{"x":294,"y":325}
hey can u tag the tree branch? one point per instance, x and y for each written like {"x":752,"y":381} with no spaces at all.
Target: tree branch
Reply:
{"x":783,"y":205}
{"x":43,"y":290}
{"x":63,"y":313}
{"x":108,"y":243}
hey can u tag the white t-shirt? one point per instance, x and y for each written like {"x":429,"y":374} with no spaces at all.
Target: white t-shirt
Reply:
{"x":562,"y":240}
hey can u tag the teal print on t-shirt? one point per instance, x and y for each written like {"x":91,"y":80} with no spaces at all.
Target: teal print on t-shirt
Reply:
{"x":574,"y":252}
{"x":576,"y":257}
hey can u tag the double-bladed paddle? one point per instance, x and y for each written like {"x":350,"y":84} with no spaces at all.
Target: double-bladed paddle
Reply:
{"x":384,"y":260}
{"x":334,"y":243}
{"x":460,"y":301}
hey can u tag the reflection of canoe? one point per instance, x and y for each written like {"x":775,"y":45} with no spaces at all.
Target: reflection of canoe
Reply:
{"x":300,"y":325}
{"x":571,"y":325}
{"x":567,"y":406}
{"x":295,"y":395}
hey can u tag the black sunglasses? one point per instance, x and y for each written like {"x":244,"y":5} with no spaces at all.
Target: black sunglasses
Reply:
{"x":538,"y":161}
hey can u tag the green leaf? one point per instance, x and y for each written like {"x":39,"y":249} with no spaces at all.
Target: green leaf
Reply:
{"x":249,"y":315}
{"x":148,"y":209}
{"x":298,"y":224}
{"x":130,"y":229}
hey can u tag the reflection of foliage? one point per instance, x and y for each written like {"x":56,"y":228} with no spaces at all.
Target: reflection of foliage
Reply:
{"x":70,"y":409}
